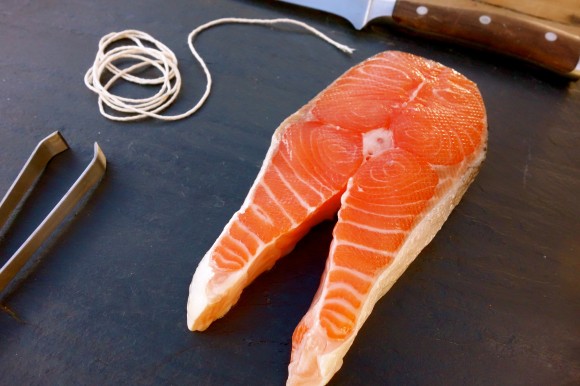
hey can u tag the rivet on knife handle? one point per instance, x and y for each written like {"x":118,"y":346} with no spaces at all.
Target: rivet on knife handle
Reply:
{"x":534,"y":42}
{"x":46,"y":149}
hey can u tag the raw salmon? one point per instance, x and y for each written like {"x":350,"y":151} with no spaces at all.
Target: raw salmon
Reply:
{"x":391,"y":145}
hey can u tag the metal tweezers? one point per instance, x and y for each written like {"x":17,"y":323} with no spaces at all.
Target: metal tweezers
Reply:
{"x":34,"y":167}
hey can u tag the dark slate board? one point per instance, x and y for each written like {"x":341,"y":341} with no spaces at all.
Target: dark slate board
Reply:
{"x":493,"y":300}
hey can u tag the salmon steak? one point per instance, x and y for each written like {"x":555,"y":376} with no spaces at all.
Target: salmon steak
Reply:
{"x":391,"y":146}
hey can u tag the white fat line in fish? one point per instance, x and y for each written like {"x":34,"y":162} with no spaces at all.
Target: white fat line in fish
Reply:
{"x":299,"y":177}
{"x":299,"y":198}
{"x":277,"y":202}
{"x":373,"y":229}
{"x":364,"y":248}
{"x":253,"y":235}
{"x":261,"y":213}
{"x":240,"y":244}
{"x":315,"y":178}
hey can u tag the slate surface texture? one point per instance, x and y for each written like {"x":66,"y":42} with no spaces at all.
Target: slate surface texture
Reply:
{"x":493,"y":300}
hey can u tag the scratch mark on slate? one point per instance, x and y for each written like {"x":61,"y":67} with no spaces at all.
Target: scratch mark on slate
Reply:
{"x":526,"y":173}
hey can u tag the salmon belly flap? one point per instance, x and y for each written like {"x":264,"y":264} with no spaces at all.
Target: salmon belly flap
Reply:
{"x":299,"y":185}
{"x":391,"y":145}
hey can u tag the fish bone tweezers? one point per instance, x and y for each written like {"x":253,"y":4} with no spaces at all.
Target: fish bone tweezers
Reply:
{"x":34,"y":167}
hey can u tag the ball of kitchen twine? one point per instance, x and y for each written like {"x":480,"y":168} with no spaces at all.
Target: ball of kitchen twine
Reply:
{"x":147,"y":52}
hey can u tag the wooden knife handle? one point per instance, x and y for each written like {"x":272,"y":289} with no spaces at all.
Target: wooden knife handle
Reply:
{"x":534,"y":42}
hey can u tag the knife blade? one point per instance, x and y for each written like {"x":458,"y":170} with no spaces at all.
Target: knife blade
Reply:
{"x":519,"y":37}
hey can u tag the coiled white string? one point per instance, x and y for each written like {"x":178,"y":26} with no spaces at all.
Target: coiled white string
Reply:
{"x":149,"y":52}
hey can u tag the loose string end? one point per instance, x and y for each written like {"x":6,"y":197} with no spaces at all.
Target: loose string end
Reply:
{"x":346,"y":49}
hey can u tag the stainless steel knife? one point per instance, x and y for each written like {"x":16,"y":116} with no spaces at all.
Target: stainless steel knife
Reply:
{"x":526,"y":39}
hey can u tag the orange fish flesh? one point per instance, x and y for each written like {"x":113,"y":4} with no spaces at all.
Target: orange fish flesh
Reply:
{"x":391,"y":145}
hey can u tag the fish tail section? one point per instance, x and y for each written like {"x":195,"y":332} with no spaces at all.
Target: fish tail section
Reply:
{"x":300,"y":185}
{"x":363,"y":249}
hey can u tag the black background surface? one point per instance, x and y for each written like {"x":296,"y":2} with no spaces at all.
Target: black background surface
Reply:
{"x":493,"y":300}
